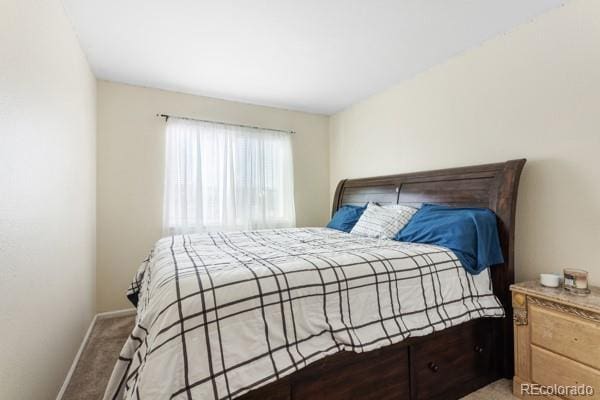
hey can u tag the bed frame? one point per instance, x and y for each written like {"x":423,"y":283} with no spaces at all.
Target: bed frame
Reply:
{"x":444,"y":365}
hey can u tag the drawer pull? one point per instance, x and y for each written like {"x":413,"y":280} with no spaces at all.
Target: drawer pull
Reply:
{"x":433,"y":366}
{"x":478,"y":349}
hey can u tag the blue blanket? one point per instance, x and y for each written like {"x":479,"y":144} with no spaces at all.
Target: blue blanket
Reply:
{"x":471,"y":233}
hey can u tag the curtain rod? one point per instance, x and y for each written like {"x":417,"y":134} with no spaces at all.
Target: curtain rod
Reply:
{"x":167,"y":116}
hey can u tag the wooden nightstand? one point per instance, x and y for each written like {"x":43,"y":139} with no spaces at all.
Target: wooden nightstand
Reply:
{"x":557,"y":338}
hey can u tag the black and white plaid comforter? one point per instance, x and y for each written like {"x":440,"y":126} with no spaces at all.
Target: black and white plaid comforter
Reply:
{"x":220,"y":314}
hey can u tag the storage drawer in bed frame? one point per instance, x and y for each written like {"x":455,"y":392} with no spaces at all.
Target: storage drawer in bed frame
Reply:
{"x":445,"y":365}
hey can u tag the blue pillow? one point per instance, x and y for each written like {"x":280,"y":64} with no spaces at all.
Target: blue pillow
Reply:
{"x":471,"y":233}
{"x":345,"y":217}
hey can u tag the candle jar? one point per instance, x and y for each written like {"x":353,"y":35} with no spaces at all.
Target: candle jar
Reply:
{"x":576,"y":281}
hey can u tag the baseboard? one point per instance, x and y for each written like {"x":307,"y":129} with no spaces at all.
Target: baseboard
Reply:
{"x":104,"y":315}
{"x":63,"y":388}
{"x":118,"y":313}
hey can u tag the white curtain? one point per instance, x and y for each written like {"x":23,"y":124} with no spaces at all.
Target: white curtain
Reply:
{"x":224,"y":177}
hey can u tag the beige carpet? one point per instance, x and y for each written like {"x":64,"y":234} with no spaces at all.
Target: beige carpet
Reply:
{"x":98,"y":358}
{"x":108,"y":336}
{"x":499,"y":390}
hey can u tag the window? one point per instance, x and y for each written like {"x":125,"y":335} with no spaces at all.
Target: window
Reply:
{"x":223,"y":177}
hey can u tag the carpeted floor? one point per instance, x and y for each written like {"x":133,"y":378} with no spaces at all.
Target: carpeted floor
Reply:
{"x":499,"y":390}
{"x":108,"y":336}
{"x":98,"y":358}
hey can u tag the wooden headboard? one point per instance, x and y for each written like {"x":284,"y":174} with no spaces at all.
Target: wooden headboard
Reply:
{"x":490,"y":185}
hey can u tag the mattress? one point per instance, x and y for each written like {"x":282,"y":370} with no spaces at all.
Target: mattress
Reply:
{"x":220,"y":314}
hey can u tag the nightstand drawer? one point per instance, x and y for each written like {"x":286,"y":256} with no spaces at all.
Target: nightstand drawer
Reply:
{"x":549,"y":369}
{"x":565,"y":334}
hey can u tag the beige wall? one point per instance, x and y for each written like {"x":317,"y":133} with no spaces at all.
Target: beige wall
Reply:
{"x":130,"y":171}
{"x":534,"y":93}
{"x":47,"y":198}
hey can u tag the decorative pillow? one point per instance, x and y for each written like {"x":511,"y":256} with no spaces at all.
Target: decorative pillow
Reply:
{"x":398,"y":207}
{"x":471,"y":233}
{"x":382,"y":222}
{"x":346,"y":217}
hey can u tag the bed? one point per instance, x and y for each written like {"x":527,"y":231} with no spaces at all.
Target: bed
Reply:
{"x":314,"y":313}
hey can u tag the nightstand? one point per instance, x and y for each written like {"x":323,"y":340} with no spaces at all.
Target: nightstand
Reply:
{"x":557,"y":341}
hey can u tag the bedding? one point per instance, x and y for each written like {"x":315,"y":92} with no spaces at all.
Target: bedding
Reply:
{"x":220,"y":314}
{"x":471,"y":233}
{"x":346,"y":217}
{"x":383,"y":222}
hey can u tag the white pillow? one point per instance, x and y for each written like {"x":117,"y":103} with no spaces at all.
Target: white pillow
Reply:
{"x":383,"y":222}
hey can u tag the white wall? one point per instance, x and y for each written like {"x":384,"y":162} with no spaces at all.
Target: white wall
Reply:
{"x":47,"y":198}
{"x":131,"y":163}
{"x":534,"y":93}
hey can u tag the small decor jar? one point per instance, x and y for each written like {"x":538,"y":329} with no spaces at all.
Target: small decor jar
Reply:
{"x":576,"y":281}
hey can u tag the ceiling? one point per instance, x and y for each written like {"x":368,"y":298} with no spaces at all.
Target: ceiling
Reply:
{"x":310,"y":55}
